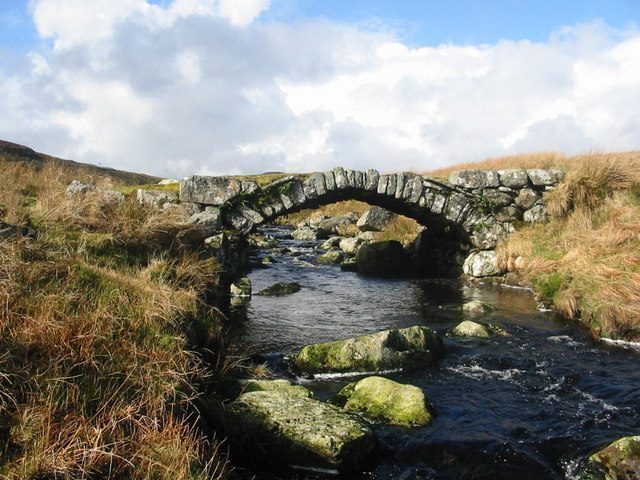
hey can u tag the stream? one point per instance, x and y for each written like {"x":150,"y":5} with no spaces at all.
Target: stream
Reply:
{"x":528,"y":406}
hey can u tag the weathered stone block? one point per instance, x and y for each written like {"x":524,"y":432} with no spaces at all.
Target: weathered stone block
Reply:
{"x":416,"y":189}
{"x":527,"y":198}
{"x":510,"y":213}
{"x":513,"y":178}
{"x":455,"y":206}
{"x":319,"y":183}
{"x":329,"y":180}
{"x":210,"y":218}
{"x":536,"y":214}
{"x":211,"y":190}
{"x":475,"y":179}
{"x":371,"y":180}
{"x":383,"y":182}
{"x":341,"y":178}
{"x":495,"y":198}
{"x":400,"y":180}
{"x":540,"y":178}
{"x":391,"y":186}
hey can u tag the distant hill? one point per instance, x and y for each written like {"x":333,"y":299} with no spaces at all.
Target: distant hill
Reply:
{"x":13,"y":152}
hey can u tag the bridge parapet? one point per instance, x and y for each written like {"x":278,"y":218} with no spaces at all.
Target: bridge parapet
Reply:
{"x":481,"y":204}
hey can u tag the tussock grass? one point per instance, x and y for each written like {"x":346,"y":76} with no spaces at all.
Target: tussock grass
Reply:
{"x":400,"y":228}
{"x":586,"y":259}
{"x":96,"y":376}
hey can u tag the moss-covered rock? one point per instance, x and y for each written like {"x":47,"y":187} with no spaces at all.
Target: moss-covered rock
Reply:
{"x":279,"y":289}
{"x":382,"y":399}
{"x":619,"y":460}
{"x":390,"y":349}
{"x":279,"y":385}
{"x":471,"y":329}
{"x":332,"y":257}
{"x":294,"y":429}
{"x":476,"y":306}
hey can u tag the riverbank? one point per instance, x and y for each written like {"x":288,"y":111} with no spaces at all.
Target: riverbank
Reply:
{"x":585,"y":261}
{"x":101,"y":316}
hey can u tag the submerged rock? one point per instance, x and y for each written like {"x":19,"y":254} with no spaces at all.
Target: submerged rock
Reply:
{"x":619,"y":460}
{"x":279,"y":289}
{"x":331,"y":257}
{"x":299,"y":430}
{"x":390,"y":349}
{"x":382,"y":399}
{"x":470,"y":329}
{"x":476,"y":306}
{"x":383,"y":259}
{"x":279,"y":385}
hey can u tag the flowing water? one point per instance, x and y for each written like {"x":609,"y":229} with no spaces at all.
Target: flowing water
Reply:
{"x":527,"y":406}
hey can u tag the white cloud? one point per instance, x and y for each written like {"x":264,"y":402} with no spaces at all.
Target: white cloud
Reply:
{"x":198,"y":86}
{"x":242,"y":12}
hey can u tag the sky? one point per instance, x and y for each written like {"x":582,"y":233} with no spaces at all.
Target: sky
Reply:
{"x":179,"y":87}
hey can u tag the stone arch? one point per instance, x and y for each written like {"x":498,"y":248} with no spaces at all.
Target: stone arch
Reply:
{"x":476,"y":206}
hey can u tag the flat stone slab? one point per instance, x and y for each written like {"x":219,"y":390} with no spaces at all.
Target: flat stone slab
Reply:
{"x":299,"y":430}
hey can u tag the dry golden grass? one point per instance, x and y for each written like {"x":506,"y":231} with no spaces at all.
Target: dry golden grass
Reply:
{"x":537,"y":160}
{"x":400,"y":228}
{"x":96,"y":378}
{"x":329,"y":210}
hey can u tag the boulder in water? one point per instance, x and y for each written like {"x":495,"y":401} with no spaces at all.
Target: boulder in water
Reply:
{"x":304,"y":234}
{"x":279,"y":289}
{"x":294,"y":429}
{"x":331,"y":257}
{"x":382,"y":399}
{"x":350,"y":245}
{"x":619,"y":460}
{"x":382,"y":259}
{"x":470,"y":329}
{"x":386,"y":350}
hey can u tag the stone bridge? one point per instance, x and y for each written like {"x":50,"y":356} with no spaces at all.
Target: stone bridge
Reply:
{"x":477,"y":207}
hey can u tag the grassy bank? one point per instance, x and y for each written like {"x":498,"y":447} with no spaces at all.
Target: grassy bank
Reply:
{"x":97,"y":318}
{"x":586,"y":259}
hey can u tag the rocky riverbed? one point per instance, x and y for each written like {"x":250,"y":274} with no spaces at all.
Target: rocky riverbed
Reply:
{"x":517,"y":393}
